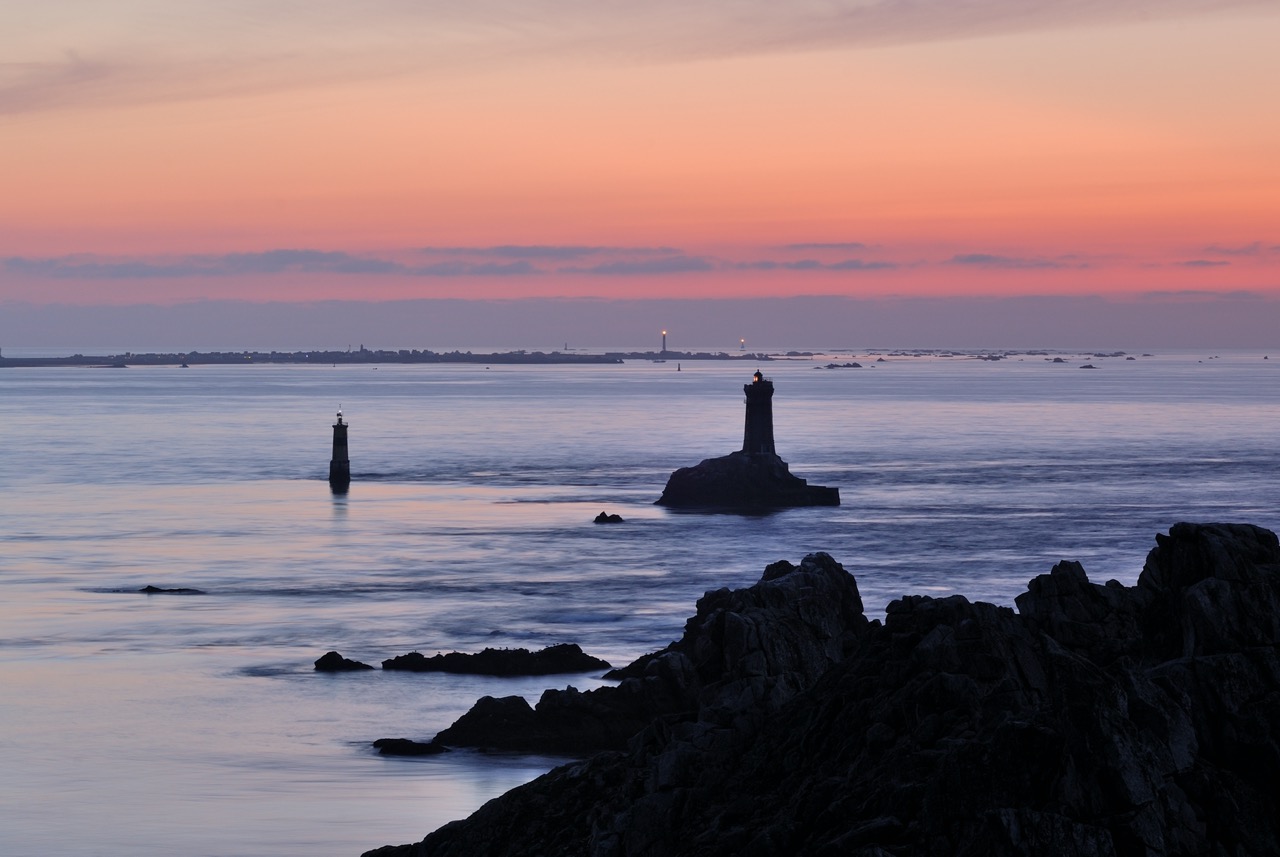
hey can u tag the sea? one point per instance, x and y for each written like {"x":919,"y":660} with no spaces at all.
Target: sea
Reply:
{"x":158,"y":724}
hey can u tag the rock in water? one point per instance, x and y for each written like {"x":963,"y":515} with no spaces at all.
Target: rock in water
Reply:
{"x":333,"y":662}
{"x":742,"y":480}
{"x":407,"y":747}
{"x":561,"y":658}
{"x":1100,"y":720}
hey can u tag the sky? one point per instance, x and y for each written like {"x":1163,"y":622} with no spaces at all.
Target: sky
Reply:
{"x":587,"y":157}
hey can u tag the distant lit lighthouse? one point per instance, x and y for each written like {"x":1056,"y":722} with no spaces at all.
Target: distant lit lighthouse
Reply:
{"x":664,"y":342}
{"x":757,"y":438}
{"x":339,"y":465}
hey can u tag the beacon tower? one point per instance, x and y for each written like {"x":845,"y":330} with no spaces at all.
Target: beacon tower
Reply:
{"x":339,"y":465}
{"x":757,"y":438}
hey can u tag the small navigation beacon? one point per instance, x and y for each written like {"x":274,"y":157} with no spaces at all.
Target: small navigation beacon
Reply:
{"x":339,"y":465}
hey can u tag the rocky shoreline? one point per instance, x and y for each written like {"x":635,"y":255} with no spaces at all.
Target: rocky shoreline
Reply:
{"x":1098,"y":719}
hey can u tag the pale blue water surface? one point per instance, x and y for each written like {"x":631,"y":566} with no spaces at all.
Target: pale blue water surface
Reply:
{"x":164,"y":724}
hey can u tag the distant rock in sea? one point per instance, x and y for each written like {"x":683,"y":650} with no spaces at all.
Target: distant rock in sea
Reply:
{"x":755,"y":477}
{"x":408,"y":747}
{"x":181,"y":590}
{"x":1097,"y":720}
{"x":562,"y":658}
{"x":333,"y":662}
{"x":606,"y":518}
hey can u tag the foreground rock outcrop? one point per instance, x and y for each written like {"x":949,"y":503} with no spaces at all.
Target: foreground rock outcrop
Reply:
{"x":1097,"y":720}
{"x":745,"y":653}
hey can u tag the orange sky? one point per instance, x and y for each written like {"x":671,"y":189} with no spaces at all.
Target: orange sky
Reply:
{"x":155,"y":153}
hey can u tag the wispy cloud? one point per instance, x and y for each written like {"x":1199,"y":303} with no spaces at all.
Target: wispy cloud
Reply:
{"x":990,"y":260}
{"x":86,"y":52}
{"x":248,"y":264}
{"x":548,"y":252}
{"x":496,"y":261}
{"x":680,"y":264}
{"x":1255,"y":248}
{"x":1203,"y":295}
{"x":1203,"y":263}
{"x":814,"y":265}
{"x":842,"y":246}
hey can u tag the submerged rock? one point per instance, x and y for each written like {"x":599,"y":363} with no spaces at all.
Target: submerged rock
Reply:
{"x":1098,"y":720}
{"x":181,"y":590}
{"x":562,"y":658}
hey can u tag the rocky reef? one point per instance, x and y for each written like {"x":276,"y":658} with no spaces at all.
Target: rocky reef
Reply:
{"x":560,"y":658}
{"x":1098,"y":719}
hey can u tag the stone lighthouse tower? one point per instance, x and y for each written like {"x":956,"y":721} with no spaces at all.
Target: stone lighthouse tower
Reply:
{"x":757,"y":439}
{"x":339,"y":465}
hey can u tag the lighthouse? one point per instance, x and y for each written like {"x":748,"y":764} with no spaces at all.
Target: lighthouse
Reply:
{"x":757,"y":438}
{"x":754,"y":477}
{"x":339,"y":465}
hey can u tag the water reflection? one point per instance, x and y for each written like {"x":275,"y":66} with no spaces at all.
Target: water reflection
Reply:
{"x":965,"y":478}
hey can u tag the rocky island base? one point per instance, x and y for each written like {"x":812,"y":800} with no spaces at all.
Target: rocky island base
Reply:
{"x":742,"y":480}
{"x":1095,"y":720}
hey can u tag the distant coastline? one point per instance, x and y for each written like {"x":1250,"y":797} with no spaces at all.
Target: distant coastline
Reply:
{"x":365,"y":355}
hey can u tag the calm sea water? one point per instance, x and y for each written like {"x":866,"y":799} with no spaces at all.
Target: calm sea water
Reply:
{"x":164,"y":724}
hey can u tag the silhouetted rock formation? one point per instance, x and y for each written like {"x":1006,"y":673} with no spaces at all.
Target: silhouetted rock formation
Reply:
{"x":755,"y":477}
{"x":408,"y":747}
{"x":181,"y":590}
{"x":562,"y":658}
{"x":606,"y":518}
{"x":757,"y":645}
{"x":1101,"y":720}
{"x":333,"y":662}
{"x":742,"y":481}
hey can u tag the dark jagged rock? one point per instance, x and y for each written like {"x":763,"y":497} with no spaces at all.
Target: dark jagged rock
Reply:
{"x":754,"y":647}
{"x":1099,"y":720}
{"x":182,"y":590}
{"x":606,"y":518}
{"x":408,"y":747}
{"x":741,"y":480}
{"x":334,"y":662}
{"x":562,"y":658}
